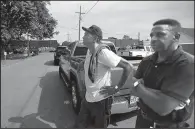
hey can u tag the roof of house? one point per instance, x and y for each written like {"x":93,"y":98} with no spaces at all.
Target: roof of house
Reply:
{"x":187,"y":35}
{"x":123,"y":42}
{"x":188,"y":31}
{"x":53,"y":43}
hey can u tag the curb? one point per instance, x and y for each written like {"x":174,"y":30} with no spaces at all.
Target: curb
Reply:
{"x":18,"y":60}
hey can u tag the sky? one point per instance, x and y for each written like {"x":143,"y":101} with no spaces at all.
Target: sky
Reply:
{"x":117,"y":18}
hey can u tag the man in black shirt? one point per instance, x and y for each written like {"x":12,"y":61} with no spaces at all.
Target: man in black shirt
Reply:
{"x":165,"y":80}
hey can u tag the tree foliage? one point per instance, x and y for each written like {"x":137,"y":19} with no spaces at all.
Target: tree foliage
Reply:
{"x":19,"y":18}
{"x":126,"y":37}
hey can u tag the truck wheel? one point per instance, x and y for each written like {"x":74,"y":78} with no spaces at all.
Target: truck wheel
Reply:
{"x":60,"y":73}
{"x":76,"y":100}
{"x":56,"y":62}
{"x":64,"y":79}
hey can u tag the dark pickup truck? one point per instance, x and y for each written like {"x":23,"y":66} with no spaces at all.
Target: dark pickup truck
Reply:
{"x":58,"y":52}
{"x":71,"y":70}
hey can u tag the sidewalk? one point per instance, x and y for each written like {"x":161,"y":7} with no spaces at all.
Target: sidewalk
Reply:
{"x":13,"y":60}
{"x":9,"y":62}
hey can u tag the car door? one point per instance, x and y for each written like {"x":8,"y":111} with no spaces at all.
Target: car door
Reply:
{"x":67,"y":59}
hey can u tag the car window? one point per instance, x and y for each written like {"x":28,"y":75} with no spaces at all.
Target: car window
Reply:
{"x":80,"y":51}
{"x":61,"y":49}
{"x":71,"y":46}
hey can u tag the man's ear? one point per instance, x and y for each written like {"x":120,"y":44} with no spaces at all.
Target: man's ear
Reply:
{"x":177,"y":36}
{"x":96,"y":38}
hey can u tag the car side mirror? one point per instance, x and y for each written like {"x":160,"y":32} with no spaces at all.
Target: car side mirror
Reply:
{"x":68,"y":52}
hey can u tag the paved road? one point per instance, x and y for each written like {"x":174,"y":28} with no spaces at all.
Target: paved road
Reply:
{"x":33,"y":96}
{"x":31,"y":88}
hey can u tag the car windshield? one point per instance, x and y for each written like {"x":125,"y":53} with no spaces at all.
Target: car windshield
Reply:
{"x":61,"y":49}
{"x":80,"y":51}
{"x":147,"y":48}
{"x":112,"y":48}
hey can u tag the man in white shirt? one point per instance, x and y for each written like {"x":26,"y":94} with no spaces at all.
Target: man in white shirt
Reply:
{"x":98,"y":75}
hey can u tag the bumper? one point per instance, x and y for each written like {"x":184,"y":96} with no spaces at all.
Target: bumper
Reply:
{"x":123,"y":105}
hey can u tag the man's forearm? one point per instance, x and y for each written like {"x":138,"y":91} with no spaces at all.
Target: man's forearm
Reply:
{"x":156,"y":100}
{"x":126,"y":72}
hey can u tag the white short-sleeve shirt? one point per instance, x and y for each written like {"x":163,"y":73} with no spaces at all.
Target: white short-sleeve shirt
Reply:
{"x":106,"y":60}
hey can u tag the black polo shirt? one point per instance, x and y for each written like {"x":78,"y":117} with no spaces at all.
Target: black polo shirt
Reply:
{"x":174,"y":77}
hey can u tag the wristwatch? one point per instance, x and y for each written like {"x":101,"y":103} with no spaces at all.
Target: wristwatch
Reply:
{"x":135,"y":84}
{"x":116,"y":87}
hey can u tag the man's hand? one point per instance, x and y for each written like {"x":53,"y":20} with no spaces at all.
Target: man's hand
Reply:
{"x":140,"y":80}
{"x":133,"y":89}
{"x":107,"y":90}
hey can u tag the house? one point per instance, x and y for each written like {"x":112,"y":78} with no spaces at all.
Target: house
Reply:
{"x":187,"y":39}
{"x":123,"y":43}
{"x":44,"y":43}
{"x":33,"y":43}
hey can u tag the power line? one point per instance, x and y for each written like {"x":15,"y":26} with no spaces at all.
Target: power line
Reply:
{"x":68,"y":35}
{"x":76,"y":27}
{"x":67,"y":27}
{"x":85,"y":15}
{"x":90,"y":9}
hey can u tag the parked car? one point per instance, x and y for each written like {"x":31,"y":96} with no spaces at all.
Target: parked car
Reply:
{"x":71,"y":70}
{"x":34,"y":51}
{"x":136,"y":53}
{"x":52,"y":49}
{"x":58,"y":52}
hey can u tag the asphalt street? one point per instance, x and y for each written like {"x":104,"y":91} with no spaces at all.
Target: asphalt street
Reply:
{"x":33,"y":96}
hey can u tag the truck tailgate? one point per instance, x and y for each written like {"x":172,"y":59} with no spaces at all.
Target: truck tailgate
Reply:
{"x":116,"y":75}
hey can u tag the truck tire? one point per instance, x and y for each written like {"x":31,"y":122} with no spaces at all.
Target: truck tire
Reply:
{"x":76,"y":99}
{"x":56,"y":62}
{"x":60,"y":72}
{"x":64,"y":79}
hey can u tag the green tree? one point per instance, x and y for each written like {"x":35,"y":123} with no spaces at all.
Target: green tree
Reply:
{"x":26,"y":17}
{"x":126,"y":37}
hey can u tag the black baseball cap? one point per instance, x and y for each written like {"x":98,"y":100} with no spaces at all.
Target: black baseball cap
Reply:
{"x":95,"y":30}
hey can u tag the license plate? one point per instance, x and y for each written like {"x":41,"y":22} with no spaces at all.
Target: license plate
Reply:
{"x":133,"y":101}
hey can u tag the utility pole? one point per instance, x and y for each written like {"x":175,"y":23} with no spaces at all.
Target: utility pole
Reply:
{"x":138,"y":36}
{"x":79,"y":21}
{"x":68,"y":37}
{"x":28,"y":44}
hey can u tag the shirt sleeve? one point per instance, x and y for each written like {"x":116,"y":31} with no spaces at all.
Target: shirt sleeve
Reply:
{"x":139,"y":72}
{"x":108,"y":58}
{"x":180,"y":85}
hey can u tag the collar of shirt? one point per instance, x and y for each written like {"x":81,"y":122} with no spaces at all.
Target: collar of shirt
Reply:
{"x":171,"y":58}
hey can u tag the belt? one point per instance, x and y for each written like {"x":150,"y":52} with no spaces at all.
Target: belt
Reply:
{"x":156,"y":122}
{"x":145,"y":116}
